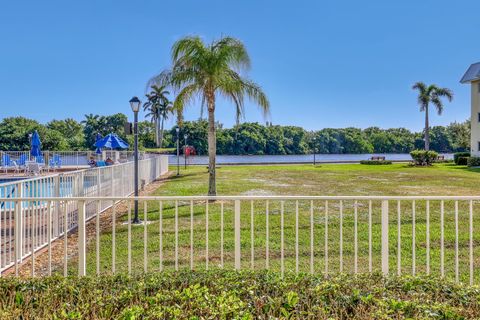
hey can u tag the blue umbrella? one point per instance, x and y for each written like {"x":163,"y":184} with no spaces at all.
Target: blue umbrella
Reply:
{"x":35,"y":145}
{"x":111,"y":141}
{"x":98,"y":150}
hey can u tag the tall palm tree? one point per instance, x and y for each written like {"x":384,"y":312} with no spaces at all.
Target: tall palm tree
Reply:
{"x":431,"y":94}
{"x":152,"y":113}
{"x":164,"y":109}
{"x":158,"y":106}
{"x":207,"y":71}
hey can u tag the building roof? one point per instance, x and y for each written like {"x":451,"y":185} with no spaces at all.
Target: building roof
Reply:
{"x":472,"y":74}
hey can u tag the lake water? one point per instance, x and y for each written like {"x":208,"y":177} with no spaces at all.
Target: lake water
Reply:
{"x":302,"y":158}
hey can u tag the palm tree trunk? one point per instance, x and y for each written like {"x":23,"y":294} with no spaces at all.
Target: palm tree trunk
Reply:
{"x":427,"y":130}
{"x":212,"y":146}
{"x":161,"y":133}
{"x":156,"y":133}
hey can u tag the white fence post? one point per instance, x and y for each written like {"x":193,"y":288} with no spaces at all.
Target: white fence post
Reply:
{"x":237,"y":235}
{"x":112,"y":183}
{"x":56,"y":230}
{"x":385,"y":237}
{"x":19,"y":225}
{"x":82,"y":244}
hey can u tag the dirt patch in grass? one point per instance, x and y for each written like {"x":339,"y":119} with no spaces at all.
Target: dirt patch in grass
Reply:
{"x":258,"y":192}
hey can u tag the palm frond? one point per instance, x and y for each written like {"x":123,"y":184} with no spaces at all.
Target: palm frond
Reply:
{"x":437,"y":94}
{"x":420,"y":86}
{"x":232,"y":52}
{"x":184,"y":97}
{"x":201,"y":69}
{"x":438,"y":104}
{"x":161,"y":79}
{"x":423,"y":97}
{"x":444,"y":92}
{"x":188,"y":46}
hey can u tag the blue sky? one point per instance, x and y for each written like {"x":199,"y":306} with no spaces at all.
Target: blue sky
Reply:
{"x":322,"y":63}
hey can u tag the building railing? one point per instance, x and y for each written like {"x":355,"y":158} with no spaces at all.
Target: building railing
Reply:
{"x":30,"y":219}
{"x":76,"y":158}
{"x":394,"y":235}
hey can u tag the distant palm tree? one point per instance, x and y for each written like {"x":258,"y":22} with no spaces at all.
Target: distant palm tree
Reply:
{"x":158,"y":107}
{"x":431,"y":94}
{"x":90,"y":118}
{"x":207,"y":71}
{"x":164,"y":110}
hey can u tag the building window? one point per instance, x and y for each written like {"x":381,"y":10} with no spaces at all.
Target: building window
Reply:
{"x":479,"y":117}
{"x":478,"y":146}
{"x":478,"y":86}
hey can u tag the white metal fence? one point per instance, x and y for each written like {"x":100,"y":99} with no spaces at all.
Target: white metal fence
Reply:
{"x":30,"y":220}
{"x":75,"y":158}
{"x":432,"y":235}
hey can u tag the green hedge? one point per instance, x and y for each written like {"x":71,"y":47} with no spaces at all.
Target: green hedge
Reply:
{"x":473,"y":162}
{"x":462,"y":161}
{"x":375,"y":162}
{"x":423,"y":157}
{"x":458,"y":155}
{"x":220,"y":294}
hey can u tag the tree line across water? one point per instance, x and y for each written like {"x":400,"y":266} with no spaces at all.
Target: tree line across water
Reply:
{"x":245,"y":138}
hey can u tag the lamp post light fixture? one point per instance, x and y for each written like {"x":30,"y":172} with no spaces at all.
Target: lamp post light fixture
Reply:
{"x":178,"y":150}
{"x":185,"y":136}
{"x":135,"y":105}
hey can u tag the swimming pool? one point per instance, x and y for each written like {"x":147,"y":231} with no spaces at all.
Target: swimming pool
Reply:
{"x":13,"y":179}
{"x":46,"y":187}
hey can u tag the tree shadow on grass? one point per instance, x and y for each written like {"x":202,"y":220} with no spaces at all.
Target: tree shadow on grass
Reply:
{"x":185,"y":175}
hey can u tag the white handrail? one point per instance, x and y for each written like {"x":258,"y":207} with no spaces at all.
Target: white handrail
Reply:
{"x":244,"y":198}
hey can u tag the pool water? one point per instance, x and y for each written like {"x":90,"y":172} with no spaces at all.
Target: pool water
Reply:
{"x":42,"y":188}
{"x":7,"y":180}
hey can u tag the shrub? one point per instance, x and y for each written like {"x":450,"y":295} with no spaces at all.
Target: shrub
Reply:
{"x":225,"y":294}
{"x":458,"y":155}
{"x":462,"y":161}
{"x":423,"y":157}
{"x":375,"y":162}
{"x":473,"y":162}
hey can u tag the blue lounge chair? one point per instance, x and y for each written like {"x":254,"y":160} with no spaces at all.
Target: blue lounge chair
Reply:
{"x":40,"y":160}
{"x":51,"y":164}
{"x":21,"y":161}
{"x":57,"y":160}
{"x":6,"y":162}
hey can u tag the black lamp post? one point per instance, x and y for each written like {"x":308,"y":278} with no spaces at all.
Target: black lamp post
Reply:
{"x":185,"y":136}
{"x":178,"y":150}
{"x":135,"y":105}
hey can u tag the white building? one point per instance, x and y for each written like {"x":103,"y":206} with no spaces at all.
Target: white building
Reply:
{"x":472,"y":76}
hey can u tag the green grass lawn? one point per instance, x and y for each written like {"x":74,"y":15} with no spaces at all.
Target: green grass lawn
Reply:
{"x":161,"y":150}
{"x":342,"y":179}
